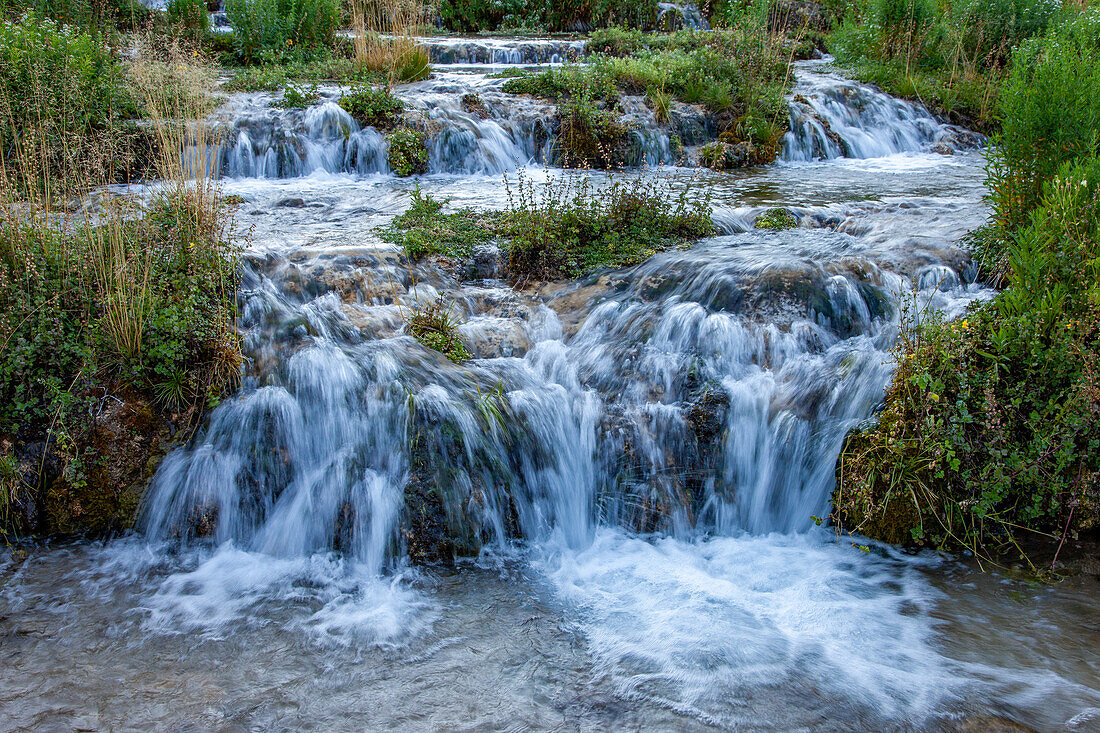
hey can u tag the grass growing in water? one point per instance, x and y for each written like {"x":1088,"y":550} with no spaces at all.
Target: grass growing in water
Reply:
{"x":433,"y":325}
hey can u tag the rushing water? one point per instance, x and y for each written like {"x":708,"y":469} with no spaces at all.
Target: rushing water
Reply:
{"x":635,"y":460}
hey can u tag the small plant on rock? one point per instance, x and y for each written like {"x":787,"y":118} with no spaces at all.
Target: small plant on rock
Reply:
{"x":407,"y":153}
{"x":433,"y":325}
{"x":776,"y":220}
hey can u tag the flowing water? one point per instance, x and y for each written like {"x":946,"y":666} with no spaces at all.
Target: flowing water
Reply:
{"x":631,"y":463}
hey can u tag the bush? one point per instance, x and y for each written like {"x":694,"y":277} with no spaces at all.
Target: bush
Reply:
{"x":298,"y":97}
{"x":372,"y":107}
{"x":407,"y":151}
{"x":589,"y":136}
{"x":1050,"y":114}
{"x":60,"y":90}
{"x":273,"y":30}
{"x":776,"y":220}
{"x":991,"y":427}
{"x":568,"y":229}
{"x":190,"y":15}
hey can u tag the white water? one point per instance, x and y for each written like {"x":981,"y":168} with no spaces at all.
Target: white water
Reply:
{"x":637,"y":568}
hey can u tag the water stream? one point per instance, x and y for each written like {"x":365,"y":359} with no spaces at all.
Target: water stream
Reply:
{"x":631,"y":464}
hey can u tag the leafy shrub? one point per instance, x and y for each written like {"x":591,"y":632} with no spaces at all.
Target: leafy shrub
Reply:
{"x":1050,"y":113}
{"x":60,"y":89}
{"x":433,"y":326}
{"x":407,"y":151}
{"x":372,"y":107}
{"x":271,"y":30}
{"x":589,"y":136}
{"x":776,"y":220}
{"x":298,"y":97}
{"x":423,"y":229}
{"x":567,"y":229}
{"x":469,"y":16}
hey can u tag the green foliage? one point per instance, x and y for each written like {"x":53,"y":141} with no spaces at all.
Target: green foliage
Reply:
{"x":272,"y":77}
{"x":424,"y":229}
{"x":569,"y":228}
{"x":190,"y":15}
{"x":589,"y":136}
{"x":277,"y":30}
{"x":776,"y":220}
{"x":992,"y":424}
{"x":372,"y":107}
{"x":298,"y":97}
{"x":738,"y":75}
{"x":57,"y":338}
{"x":59,"y":86}
{"x":468,"y":16}
{"x":1050,"y":114}
{"x":97,"y":14}
{"x":407,"y":151}
{"x":433,"y":326}
{"x":951,"y":56}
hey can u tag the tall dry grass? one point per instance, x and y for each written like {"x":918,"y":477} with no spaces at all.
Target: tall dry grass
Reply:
{"x":385,"y":39}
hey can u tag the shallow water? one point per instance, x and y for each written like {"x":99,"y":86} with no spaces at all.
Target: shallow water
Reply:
{"x":667,"y":579}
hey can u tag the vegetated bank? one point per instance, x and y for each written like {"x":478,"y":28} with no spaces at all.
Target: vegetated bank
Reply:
{"x":990,"y":433}
{"x":117,"y":316}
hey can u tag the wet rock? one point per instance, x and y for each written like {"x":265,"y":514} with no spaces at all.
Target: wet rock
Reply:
{"x":490,"y":338}
{"x":291,"y":203}
{"x":487,"y":262}
{"x":942,"y":148}
{"x":722,"y":156}
{"x":472,"y":103}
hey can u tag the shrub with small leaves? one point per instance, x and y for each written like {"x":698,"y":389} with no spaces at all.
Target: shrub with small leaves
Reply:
{"x":433,"y":325}
{"x":407,"y":152}
{"x":373,"y":107}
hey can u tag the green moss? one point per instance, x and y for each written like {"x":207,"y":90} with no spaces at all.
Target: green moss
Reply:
{"x":407,"y":152}
{"x":776,"y":220}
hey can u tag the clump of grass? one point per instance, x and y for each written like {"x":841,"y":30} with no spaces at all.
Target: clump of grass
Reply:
{"x":424,"y":229}
{"x":372,"y":107}
{"x":407,"y":152}
{"x":384,"y":40}
{"x":566,"y":228}
{"x":776,"y":220}
{"x":433,"y":325}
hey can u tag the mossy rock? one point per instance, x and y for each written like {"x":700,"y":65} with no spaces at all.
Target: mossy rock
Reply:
{"x":776,"y":220}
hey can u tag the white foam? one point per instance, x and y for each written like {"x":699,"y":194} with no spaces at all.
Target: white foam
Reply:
{"x":704,"y":626}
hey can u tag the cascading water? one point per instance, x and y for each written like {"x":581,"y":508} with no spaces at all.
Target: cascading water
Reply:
{"x":835,"y":118}
{"x":635,"y":459}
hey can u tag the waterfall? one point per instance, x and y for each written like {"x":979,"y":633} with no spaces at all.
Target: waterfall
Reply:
{"x":835,"y":118}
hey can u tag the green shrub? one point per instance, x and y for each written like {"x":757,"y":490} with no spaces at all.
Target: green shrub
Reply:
{"x":60,"y":90}
{"x":565,"y":229}
{"x":1050,"y":114}
{"x":990,"y":427}
{"x":372,"y":107}
{"x":407,"y":151}
{"x":776,"y":220}
{"x":273,"y":30}
{"x":99,"y":14}
{"x":423,"y":229}
{"x":273,"y":77}
{"x":589,"y":136}
{"x":298,"y":97}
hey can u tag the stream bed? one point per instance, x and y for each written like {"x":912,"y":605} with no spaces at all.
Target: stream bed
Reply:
{"x":644,"y":554}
